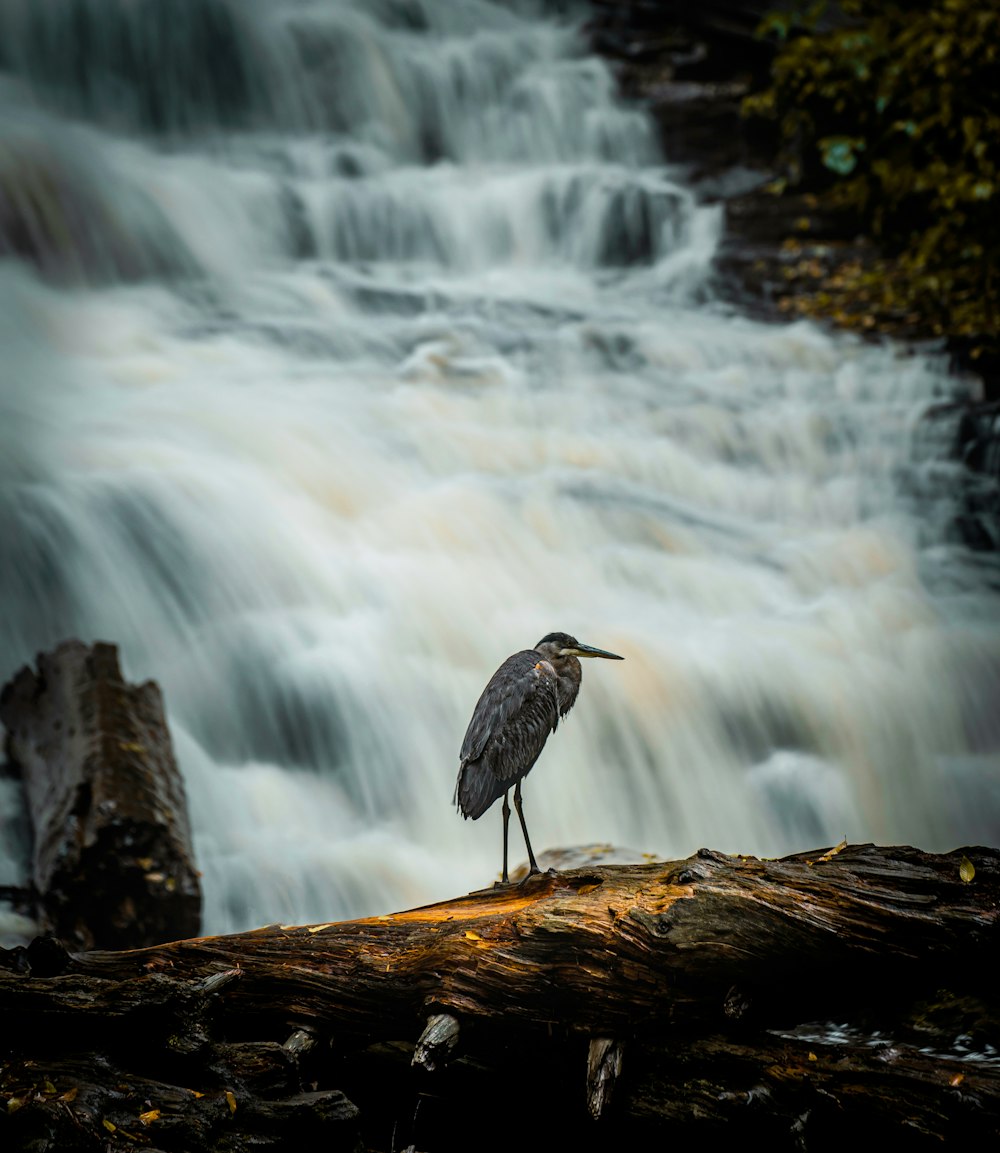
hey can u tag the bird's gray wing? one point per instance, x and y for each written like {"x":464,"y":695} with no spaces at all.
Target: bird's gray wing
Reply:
{"x":514,"y":716}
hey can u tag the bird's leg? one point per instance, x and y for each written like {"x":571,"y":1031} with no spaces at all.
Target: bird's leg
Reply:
{"x":506,"y":818}
{"x":533,"y":864}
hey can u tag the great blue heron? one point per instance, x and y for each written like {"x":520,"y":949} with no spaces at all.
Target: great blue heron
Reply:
{"x":520,"y":706}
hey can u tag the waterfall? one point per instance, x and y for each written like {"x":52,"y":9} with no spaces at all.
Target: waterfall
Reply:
{"x":349,"y":349}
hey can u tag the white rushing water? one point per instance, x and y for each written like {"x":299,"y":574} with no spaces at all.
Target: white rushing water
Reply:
{"x":349,"y":348}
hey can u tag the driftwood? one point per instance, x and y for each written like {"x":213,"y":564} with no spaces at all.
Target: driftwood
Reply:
{"x":612,"y":1004}
{"x":113,"y":864}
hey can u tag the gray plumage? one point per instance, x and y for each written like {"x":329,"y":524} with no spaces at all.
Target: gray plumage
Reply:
{"x":520,"y":706}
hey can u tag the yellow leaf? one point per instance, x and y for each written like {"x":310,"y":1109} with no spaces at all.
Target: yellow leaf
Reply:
{"x":70,"y":1094}
{"x":813,"y":1057}
{"x":150,"y":1116}
{"x":48,"y":1087}
{"x":966,"y":870}
{"x":835,"y":850}
{"x":14,"y":1103}
{"x":231,"y":1101}
{"x":109,"y":1125}
{"x":472,"y":936}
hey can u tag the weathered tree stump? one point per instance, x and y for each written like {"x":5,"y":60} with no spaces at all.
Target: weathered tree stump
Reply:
{"x":822,"y":998}
{"x":113,"y":864}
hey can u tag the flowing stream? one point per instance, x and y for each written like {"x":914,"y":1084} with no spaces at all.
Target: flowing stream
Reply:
{"x":348,"y":348}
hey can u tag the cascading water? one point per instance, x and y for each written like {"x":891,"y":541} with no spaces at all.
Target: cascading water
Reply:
{"x":348,"y":349}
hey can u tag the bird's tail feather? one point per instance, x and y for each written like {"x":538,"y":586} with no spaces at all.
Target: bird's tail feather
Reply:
{"x":476,"y":789}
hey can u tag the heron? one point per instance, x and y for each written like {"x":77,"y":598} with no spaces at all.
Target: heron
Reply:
{"x":520,"y":706}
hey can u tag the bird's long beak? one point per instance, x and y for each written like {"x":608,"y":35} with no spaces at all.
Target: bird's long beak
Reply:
{"x":590,"y":651}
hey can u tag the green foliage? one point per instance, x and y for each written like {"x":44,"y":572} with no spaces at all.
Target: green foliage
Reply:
{"x":895,"y":114}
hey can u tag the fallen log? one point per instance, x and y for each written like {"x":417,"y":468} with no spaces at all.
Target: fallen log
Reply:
{"x":112,"y":859}
{"x":665,"y":998}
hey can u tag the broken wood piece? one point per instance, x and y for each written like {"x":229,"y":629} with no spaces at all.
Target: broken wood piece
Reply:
{"x":301,"y":1041}
{"x":604,"y":1064}
{"x":216,"y":982}
{"x":437,"y":1041}
{"x":113,"y":860}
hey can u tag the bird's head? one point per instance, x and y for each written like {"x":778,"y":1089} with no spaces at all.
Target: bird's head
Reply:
{"x":558,"y":646}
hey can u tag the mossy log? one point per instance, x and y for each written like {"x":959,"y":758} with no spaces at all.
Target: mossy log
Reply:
{"x":653,"y":999}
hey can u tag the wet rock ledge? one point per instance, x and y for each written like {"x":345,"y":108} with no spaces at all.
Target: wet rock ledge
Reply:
{"x":691,"y":66}
{"x":784,"y":251}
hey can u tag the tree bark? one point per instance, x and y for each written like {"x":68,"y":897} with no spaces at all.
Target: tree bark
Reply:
{"x":665,"y":998}
{"x":113,"y":864}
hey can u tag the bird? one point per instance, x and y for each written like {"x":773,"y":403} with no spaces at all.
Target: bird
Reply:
{"x":521,"y":705}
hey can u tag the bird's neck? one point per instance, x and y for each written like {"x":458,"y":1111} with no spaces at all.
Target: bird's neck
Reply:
{"x":569,"y":673}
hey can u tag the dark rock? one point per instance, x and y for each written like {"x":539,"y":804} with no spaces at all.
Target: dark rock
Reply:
{"x":77,"y":223}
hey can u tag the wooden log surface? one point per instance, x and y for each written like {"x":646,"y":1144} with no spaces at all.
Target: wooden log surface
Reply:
{"x":113,"y":862}
{"x":825,"y":994}
{"x":664,"y":942}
